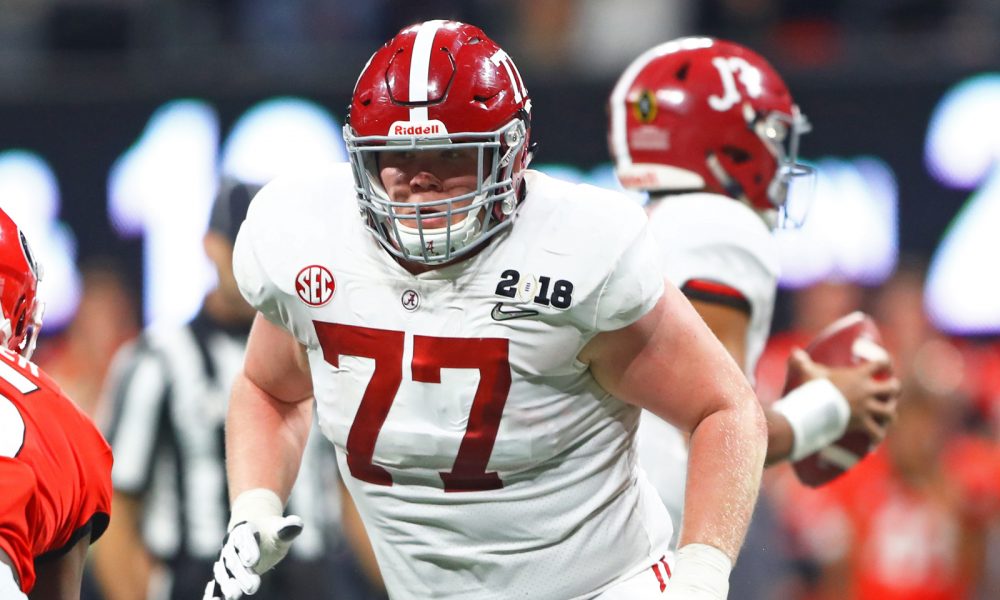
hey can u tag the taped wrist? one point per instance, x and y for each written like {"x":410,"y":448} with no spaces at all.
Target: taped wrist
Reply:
{"x":818,"y":414}
{"x":255,"y":506}
{"x":702,"y":572}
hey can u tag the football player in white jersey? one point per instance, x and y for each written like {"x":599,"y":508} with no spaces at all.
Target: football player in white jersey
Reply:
{"x":710,"y":131}
{"x":480,"y":341}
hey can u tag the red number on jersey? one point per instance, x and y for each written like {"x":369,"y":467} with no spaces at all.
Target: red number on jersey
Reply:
{"x":11,"y":428}
{"x":430,"y":355}
{"x":11,"y":422}
{"x":386,"y":349}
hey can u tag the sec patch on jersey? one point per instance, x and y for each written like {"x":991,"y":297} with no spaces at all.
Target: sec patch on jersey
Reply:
{"x":315,"y":285}
{"x":851,"y":340}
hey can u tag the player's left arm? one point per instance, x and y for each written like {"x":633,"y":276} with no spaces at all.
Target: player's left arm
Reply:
{"x":122,"y":565}
{"x":61,"y":578}
{"x":669,"y":362}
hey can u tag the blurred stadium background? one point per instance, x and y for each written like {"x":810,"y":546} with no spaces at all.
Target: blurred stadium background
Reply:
{"x":117,"y":118}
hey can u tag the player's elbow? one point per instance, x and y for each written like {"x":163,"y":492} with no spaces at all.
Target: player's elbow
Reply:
{"x":739,"y":413}
{"x":759,"y":422}
{"x":750,"y":420}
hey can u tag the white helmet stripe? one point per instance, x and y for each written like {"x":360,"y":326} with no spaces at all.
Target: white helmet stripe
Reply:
{"x":420,"y":64}
{"x":619,"y":133}
{"x":619,"y":114}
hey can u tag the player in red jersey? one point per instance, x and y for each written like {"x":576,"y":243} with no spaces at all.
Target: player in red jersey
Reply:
{"x":55,"y":467}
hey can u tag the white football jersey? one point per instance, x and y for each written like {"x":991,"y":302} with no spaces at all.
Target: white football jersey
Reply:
{"x":485,"y":460}
{"x":708,"y":237}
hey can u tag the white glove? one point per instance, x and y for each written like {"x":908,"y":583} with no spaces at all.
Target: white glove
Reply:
{"x":259,"y":537}
{"x":701,"y":572}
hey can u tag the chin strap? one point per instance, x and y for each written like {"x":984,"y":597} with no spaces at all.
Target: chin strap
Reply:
{"x":734,"y":190}
{"x":732,"y":187}
{"x":433,"y":244}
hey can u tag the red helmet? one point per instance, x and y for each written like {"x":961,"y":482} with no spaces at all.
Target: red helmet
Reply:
{"x":440,"y":83}
{"x":19,"y":276}
{"x":703,"y":114}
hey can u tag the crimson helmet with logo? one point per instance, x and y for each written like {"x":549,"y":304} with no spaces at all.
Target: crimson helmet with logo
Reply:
{"x":704,"y":114}
{"x":440,"y":84}
{"x":19,"y":276}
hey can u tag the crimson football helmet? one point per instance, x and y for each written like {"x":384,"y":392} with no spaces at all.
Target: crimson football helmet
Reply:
{"x":698,"y":113}
{"x":435,"y":84}
{"x":19,"y":276}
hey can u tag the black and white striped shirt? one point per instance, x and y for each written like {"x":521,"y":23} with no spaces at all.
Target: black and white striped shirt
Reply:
{"x":169,"y":391}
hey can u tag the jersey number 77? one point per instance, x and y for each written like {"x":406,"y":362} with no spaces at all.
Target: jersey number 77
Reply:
{"x":430,"y":354}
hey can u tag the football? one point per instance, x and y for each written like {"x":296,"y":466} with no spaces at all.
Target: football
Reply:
{"x":848,"y":341}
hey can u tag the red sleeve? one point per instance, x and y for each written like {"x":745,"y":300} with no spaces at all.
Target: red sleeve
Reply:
{"x":87,"y":482}
{"x":17,"y":481}
{"x":716,"y":293}
{"x":96,"y":508}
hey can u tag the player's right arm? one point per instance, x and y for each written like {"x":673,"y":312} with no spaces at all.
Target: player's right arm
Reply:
{"x":267,"y":427}
{"x":60,"y":578}
{"x":269,"y":415}
{"x":270,"y":407}
{"x":122,"y":565}
{"x":270,"y":412}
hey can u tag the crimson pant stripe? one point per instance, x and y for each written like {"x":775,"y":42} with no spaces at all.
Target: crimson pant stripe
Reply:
{"x":659,"y":576}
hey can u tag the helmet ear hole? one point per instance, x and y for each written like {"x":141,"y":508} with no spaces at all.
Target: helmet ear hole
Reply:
{"x":737,"y":155}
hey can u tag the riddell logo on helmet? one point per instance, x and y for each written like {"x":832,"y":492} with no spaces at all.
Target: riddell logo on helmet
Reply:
{"x":639,"y":180}
{"x":408,"y":128}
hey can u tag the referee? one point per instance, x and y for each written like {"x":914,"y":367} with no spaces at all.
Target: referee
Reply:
{"x":168,"y":393}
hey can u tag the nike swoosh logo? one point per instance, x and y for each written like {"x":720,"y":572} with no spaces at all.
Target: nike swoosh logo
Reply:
{"x":501,"y":312}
